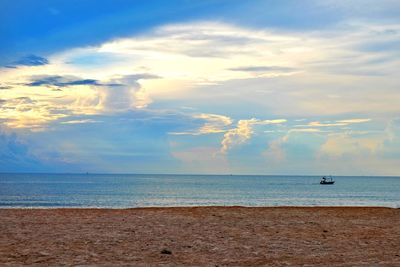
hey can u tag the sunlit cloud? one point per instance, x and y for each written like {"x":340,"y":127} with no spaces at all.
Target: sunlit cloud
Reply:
{"x":79,"y":121}
{"x":334,"y":123}
{"x":206,"y":84}
{"x":319,"y":124}
{"x":243,"y":132}
{"x":275,"y":153}
{"x":338,"y":145}
{"x":24,"y":112}
{"x":350,"y":121}
{"x":182,"y":59}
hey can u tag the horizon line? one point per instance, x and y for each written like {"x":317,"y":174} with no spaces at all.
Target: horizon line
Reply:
{"x":196,"y":174}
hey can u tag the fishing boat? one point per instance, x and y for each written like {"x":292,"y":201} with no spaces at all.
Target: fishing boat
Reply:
{"x":327,"y":180}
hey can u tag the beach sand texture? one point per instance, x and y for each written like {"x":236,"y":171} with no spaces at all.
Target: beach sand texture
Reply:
{"x":201,"y":236}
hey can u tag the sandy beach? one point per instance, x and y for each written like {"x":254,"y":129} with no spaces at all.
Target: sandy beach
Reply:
{"x":201,"y":236}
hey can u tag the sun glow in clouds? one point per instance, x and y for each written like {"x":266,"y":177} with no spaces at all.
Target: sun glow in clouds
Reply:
{"x":130,"y":73}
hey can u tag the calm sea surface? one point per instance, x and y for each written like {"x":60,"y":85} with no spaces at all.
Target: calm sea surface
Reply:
{"x":123,"y":191}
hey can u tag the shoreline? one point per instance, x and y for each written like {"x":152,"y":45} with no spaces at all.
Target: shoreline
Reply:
{"x":194,"y":207}
{"x":201,"y":236}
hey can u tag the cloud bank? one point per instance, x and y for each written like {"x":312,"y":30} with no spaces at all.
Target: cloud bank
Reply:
{"x":235,"y":83}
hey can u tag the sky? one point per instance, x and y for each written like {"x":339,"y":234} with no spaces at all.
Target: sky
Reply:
{"x":205,"y":87}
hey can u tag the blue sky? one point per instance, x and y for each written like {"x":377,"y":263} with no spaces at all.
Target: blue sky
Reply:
{"x":260,"y":87}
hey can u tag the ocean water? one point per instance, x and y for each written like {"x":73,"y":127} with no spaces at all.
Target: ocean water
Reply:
{"x":126,"y":191}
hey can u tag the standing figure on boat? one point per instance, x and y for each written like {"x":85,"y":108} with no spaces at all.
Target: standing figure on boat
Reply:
{"x":327,"y":180}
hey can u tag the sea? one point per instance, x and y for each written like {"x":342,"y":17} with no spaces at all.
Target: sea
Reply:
{"x":156,"y":190}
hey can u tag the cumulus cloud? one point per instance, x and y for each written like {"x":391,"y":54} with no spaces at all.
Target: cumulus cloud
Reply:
{"x":243,"y":132}
{"x":215,"y":123}
{"x":83,"y":97}
{"x":337,"y":143}
{"x":210,"y":60}
{"x":275,"y":153}
{"x":343,"y":144}
{"x":15,"y":154}
{"x":125,"y":92}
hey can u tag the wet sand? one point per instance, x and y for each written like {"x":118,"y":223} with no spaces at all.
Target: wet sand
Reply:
{"x":201,"y":236}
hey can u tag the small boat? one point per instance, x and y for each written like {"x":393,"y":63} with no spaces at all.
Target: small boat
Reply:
{"x":327,"y":180}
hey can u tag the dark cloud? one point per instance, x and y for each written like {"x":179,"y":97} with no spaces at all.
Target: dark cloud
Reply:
{"x":5,"y":87}
{"x":263,"y":69}
{"x":141,"y":76}
{"x":30,"y":60}
{"x":14,"y":155}
{"x":61,"y":81}
{"x":81,"y":82}
{"x":64,"y":81}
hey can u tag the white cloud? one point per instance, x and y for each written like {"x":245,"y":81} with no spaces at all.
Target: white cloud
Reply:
{"x":350,"y":121}
{"x":275,"y":153}
{"x":300,"y":72}
{"x":183,"y":56}
{"x":79,"y":121}
{"x":243,"y":132}
{"x":334,"y":123}
{"x":343,"y":144}
{"x":319,"y":124}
